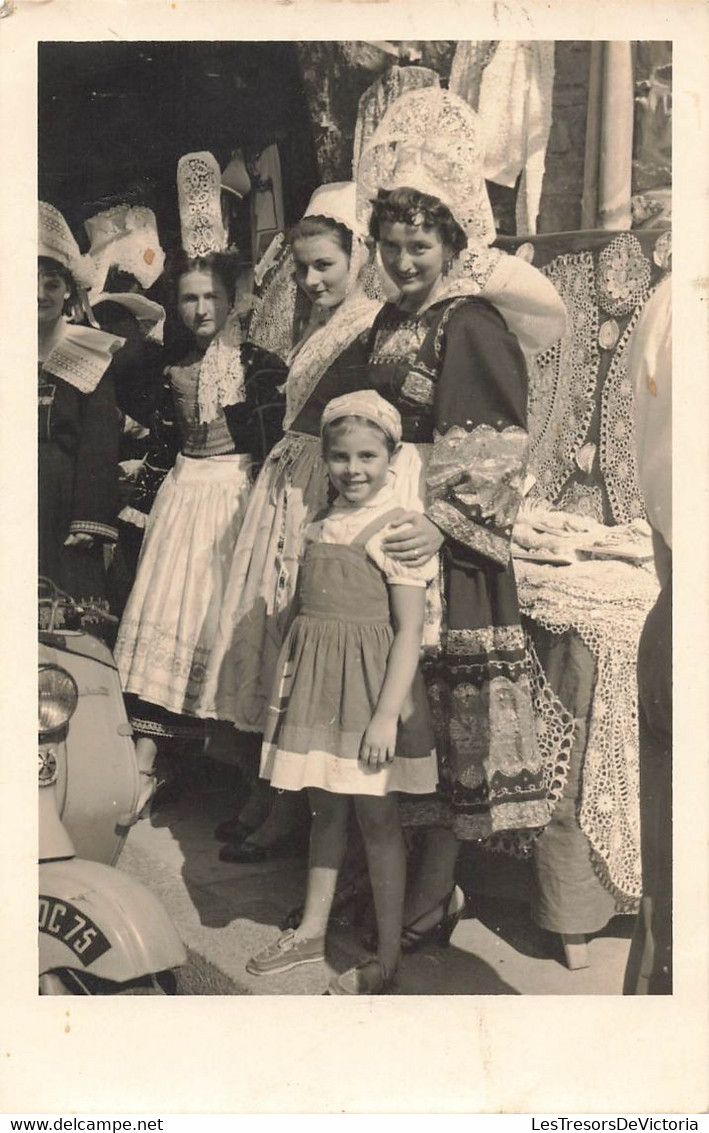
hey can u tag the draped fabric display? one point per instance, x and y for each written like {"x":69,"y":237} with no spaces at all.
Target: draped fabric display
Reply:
{"x":510,"y":84}
{"x":580,"y":401}
{"x":585,"y":619}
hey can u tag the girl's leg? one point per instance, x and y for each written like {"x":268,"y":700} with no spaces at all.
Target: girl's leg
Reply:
{"x":435,"y":879}
{"x":378,"y":819}
{"x":328,"y":841}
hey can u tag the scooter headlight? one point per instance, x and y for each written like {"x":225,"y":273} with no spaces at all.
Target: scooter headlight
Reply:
{"x":58,"y":698}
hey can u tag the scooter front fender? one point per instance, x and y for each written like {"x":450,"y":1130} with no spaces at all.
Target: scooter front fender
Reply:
{"x":95,"y":919}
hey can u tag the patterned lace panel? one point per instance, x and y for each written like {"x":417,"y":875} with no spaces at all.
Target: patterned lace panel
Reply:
{"x":352,"y":318}
{"x":617,"y":452}
{"x":82,"y":357}
{"x":474,"y":482}
{"x":511,"y":89}
{"x":583,"y":500}
{"x":199,"y":198}
{"x":400,"y":342}
{"x":221,"y":375}
{"x":554,"y":727}
{"x":160,"y":665}
{"x":377,"y":99}
{"x":562,"y":379}
{"x":56,"y":240}
{"x":430,"y":140}
{"x":273,"y":313}
{"x":126,"y":236}
{"x":623,"y":275}
{"x":490,"y":639}
{"x":606,"y":603}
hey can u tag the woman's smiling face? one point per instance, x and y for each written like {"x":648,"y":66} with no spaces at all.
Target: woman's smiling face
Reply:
{"x":414,"y":257}
{"x":321,"y":269}
{"x":52,"y":293}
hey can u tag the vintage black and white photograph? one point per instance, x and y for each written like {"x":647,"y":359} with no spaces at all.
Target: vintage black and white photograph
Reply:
{"x":353,"y":539}
{"x":355,"y":506}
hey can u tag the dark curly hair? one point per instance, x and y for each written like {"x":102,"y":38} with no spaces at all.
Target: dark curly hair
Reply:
{"x":222,"y":264}
{"x":409,"y":206}
{"x":322,"y":226}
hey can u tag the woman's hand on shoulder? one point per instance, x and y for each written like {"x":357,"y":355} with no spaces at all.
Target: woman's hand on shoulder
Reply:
{"x":414,"y":539}
{"x":379,"y":741}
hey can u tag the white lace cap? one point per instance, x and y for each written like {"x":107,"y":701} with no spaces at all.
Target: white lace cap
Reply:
{"x":338,"y":201}
{"x":430,"y":140}
{"x":199,"y":181}
{"x":364,"y":403}
{"x":125,"y":237}
{"x":56,"y":242}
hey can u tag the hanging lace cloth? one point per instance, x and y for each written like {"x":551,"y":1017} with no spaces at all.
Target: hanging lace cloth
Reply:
{"x":266,"y":201}
{"x":606,"y":603}
{"x":510,"y":84}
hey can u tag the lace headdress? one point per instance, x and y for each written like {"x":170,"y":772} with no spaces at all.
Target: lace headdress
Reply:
{"x":221,"y":374}
{"x":125,"y":237}
{"x":199,"y":180}
{"x":56,"y":242}
{"x":430,"y":140}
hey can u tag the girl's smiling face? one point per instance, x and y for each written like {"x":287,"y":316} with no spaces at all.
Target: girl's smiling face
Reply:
{"x":357,"y":458}
{"x":414,"y":257}
{"x":321,"y":269}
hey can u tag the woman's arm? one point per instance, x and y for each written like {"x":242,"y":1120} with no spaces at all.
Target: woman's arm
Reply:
{"x":407,"y":608}
{"x":95,"y":496}
{"x":476,"y":472}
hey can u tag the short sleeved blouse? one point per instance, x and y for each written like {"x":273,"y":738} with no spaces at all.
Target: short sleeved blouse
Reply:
{"x":343,"y":524}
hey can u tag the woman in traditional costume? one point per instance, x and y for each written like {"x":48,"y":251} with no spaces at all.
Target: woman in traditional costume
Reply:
{"x":170,"y":621}
{"x":78,"y":419}
{"x":448,"y":360}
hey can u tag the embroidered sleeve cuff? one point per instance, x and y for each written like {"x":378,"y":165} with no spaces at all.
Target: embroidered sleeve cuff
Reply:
{"x":489,"y":543}
{"x":89,"y":527}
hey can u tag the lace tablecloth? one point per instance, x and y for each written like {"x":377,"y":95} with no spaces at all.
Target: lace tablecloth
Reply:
{"x":605,"y":603}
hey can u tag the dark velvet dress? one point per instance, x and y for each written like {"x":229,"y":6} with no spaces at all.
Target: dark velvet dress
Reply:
{"x":78,"y":425}
{"x":459,"y":380}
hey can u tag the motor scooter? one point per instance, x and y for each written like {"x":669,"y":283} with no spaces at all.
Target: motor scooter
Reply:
{"x":101,"y":932}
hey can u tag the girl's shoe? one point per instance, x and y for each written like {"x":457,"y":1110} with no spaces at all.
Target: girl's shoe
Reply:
{"x":412,"y":938}
{"x":367,"y":978}
{"x":285,"y":953}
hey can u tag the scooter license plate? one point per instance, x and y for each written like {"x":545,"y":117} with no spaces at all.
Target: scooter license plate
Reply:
{"x":64,"y":921}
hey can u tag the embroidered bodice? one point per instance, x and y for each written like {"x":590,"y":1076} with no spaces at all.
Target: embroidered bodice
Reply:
{"x":199,"y":439}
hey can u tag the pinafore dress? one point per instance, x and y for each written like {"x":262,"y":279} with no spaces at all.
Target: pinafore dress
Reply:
{"x":330,"y":672}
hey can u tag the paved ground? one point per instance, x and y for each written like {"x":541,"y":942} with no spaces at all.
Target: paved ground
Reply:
{"x":225,"y":913}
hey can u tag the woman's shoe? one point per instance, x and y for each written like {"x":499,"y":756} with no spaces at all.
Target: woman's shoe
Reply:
{"x":248,"y":853}
{"x":367,"y":978}
{"x":148,"y":783}
{"x":233,"y":830}
{"x":439,"y":933}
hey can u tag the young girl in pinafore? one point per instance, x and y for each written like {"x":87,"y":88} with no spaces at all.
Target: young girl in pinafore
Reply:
{"x":349,"y":717}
